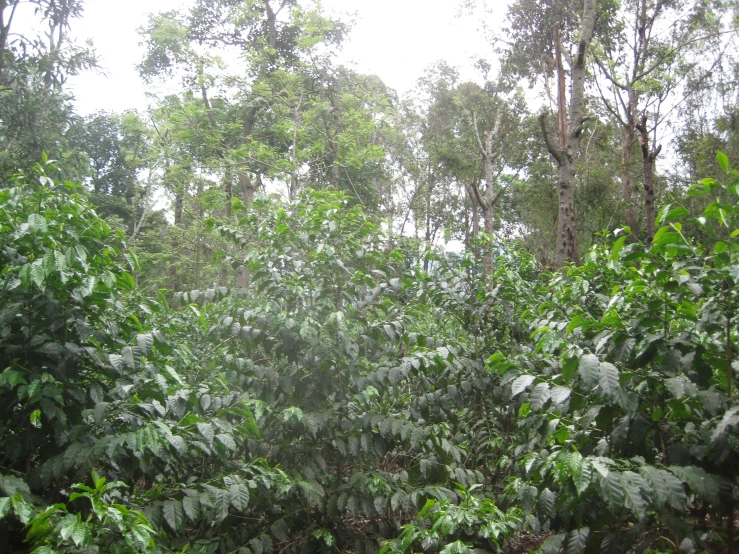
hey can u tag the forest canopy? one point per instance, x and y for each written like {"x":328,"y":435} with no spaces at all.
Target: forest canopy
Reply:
{"x":290,"y":310}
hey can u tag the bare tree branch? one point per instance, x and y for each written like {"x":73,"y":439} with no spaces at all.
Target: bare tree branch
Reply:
{"x":548,"y":140}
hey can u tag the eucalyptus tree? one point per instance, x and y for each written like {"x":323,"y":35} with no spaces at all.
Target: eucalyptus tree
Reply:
{"x":434,"y":167}
{"x":644,"y":58}
{"x":496,"y":113}
{"x":346,"y":121}
{"x":544,"y":35}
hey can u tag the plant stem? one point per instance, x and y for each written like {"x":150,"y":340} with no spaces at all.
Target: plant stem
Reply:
{"x":729,"y":369}
{"x":730,"y":394}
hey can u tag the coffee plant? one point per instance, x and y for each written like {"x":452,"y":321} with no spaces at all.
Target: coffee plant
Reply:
{"x":346,"y":400}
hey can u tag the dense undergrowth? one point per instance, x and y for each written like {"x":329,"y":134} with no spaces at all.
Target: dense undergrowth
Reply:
{"x":347,"y":401}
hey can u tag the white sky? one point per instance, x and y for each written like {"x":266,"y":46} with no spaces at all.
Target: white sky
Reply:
{"x":395,"y":39}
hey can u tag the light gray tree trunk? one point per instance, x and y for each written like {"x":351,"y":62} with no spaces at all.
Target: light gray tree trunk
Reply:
{"x":566,"y":150}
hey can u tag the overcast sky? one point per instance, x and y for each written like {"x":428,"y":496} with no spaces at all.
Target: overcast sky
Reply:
{"x":395,"y":39}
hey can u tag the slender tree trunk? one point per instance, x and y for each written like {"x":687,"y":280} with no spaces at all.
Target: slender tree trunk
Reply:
{"x":179,"y":202}
{"x":488,"y":153}
{"x":228,"y":186}
{"x":627,"y":143}
{"x":336,"y":112}
{"x":561,"y":90}
{"x":293,"y":192}
{"x":245,"y":182}
{"x":427,"y":238}
{"x":476,"y":224}
{"x":567,"y":246}
{"x":649,"y":158}
{"x":4,"y":34}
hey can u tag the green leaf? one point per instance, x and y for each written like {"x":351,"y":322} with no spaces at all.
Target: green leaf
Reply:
{"x":520,"y":384}
{"x":174,"y":514}
{"x":539,"y":396}
{"x":128,"y":357}
{"x":723,"y":161}
{"x":720,"y":247}
{"x":611,"y":490}
{"x":553,"y":544}
{"x":560,"y":394}
{"x":191,"y":507}
{"x":227,"y":441}
{"x":142,"y":535}
{"x":608,"y":379}
{"x":4,"y":506}
{"x":220,"y":499}
{"x":145,"y":343}
{"x":206,"y":430}
{"x":589,"y":370}
{"x":132,"y":260}
{"x":37,"y":224}
{"x":665,"y":236}
{"x":668,"y":488}
{"x":312,"y":491}
{"x":24,"y":275}
{"x":280,"y":530}
{"x":178,"y":443}
{"x":37,"y":274}
{"x":545,"y":504}
{"x":616,"y":251}
{"x":582,"y":477}
{"x":675,"y":214}
{"x":74,"y":529}
{"x":730,"y":419}
{"x":575,"y":322}
{"x":239,"y":496}
{"x":632,"y":485}
{"x":699,"y":481}
{"x":577,"y":540}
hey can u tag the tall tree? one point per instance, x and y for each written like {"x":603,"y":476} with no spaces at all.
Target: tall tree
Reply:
{"x":642,"y":60}
{"x":35,"y":109}
{"x":546,"y":35}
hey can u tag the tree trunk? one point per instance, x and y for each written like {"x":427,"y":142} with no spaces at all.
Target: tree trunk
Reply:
{"x":429,"y":191}
{"x":245,"y":182}
{"x":473,"y":192}
{"x":627,"y":142}
{"x":179,"y":202}
{"x":4,"y":33}
{"x":293,"y":191}
{"x":567,"y":247}
{"x":649,"y":158}
{"x":228,"y":186}
{"x":561,"y":89}
{"x":489,"y":155}
{"x":336,"y":112}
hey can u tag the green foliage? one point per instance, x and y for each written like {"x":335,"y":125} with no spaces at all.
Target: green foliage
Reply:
{"x":638,"y":344}
{"x":440,"y":525}
{"x":347,"y":399}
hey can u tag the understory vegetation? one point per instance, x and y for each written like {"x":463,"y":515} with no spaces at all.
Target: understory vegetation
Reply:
{"x":287,"y":309}
{"x":348,"y":400}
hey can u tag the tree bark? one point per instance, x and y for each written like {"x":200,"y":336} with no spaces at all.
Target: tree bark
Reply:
{"x":561,"y":89}
{"x":4,"y":34}
{"x":336,"y":112}
{"x":627,"y":143}
{"x":649,"y":158}
{"x":293,"y":191}
{"x":427,"y":238}
{"x":565,"y":156}
{"x":245,"y":182}
{"x":489,"y":154}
